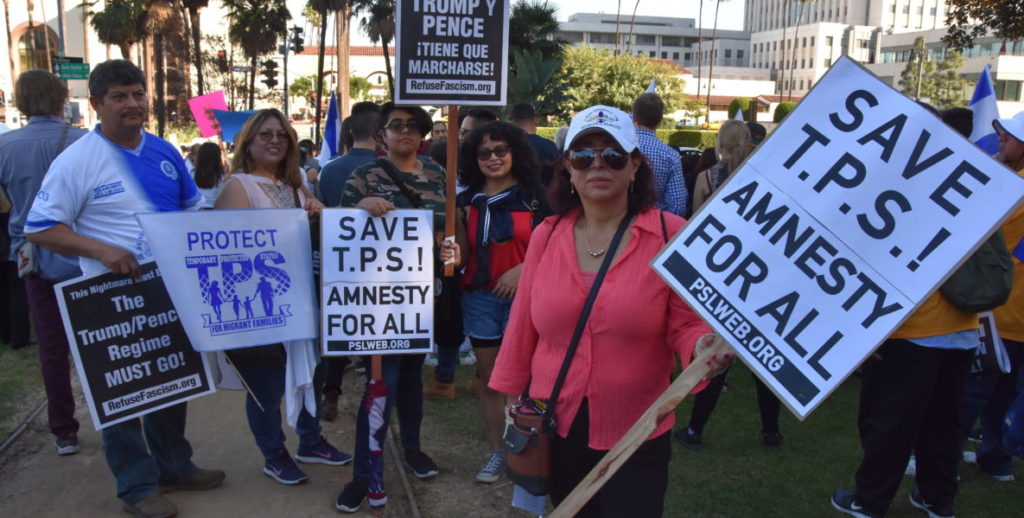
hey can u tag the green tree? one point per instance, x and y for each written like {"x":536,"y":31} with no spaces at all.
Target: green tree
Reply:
{"x":379,"y":26}
{"x":782,"y":110}
{"x":193,"y":7}
{"x":740,"y":103}
{"x":359,"y":88}
{"x":590,"y":77}
{"x":970,"y":19}
{"x":530,"y":78}
{"x":950,"y":86}
{"x":533,"y":26}
{"x":323,"y":9}
{"x":122,"y":23}
{"x":916,"y":79}
{"x":257,"y":26}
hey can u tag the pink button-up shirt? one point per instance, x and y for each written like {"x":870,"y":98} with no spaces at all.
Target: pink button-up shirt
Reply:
{"x":626,"y":354}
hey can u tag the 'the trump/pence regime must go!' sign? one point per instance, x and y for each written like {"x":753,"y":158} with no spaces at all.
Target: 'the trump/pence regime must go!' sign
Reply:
{"x":451,"y":52}
{"x":377,"y":278}
{"x":834,"y":231}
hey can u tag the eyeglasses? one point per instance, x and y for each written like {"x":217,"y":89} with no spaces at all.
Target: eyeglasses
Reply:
{"x":484,"y":154}
{"x":398,"y":126}
{"x":583,"y":158}
{"x":267,"y":136}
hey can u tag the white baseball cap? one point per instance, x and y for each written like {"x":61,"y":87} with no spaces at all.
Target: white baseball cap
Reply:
{"x":1014,"y":126}
{"x":612,"y":121}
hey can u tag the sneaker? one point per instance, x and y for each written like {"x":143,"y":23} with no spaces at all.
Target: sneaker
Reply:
{"x":688,"y":439}
{"x":329,"y":407}
{"x":431,"y":360}
{"x":492,"y":470}
{"x":771,"y":441}
{"x":933,"y":511}
{"x":970,"y":457}
{"x":322,"y":453}
{"x":198,"y":480}
{"x":911,"y":467}
{"x":351,"y":498}
{"x":439,"y":390}
{"x":153,"y":506}
{"x":843,"y":501}
{"x":284,"y":470}
{"x":975,"y":435}
{"x":421,"y":465}
{"x":467,"y":358}
{"x":67,"y":445}
{"x":1006,"y":477}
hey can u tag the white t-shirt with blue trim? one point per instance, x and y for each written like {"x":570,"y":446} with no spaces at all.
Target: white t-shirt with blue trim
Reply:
{"x":96,"y":188}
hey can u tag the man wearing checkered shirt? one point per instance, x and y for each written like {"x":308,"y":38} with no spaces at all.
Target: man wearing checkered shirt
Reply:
{"x":648,"y":110}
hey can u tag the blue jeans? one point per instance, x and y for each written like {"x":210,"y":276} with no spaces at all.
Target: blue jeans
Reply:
{"x":403,"y":376}
{"x":447,"y":361}
{"x":267,"y":383}
{"x":989,"y":397}
{"x":138,"y":468}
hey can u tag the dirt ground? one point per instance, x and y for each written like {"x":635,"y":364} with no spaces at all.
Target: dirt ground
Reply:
{"x":35,"y":482}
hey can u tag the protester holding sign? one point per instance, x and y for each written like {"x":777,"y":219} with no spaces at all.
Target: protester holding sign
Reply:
{"x":625,"y":356}
{"x":401,"y":180}
{"x":86,"y":207}
{"x":502,"y":197}
{"x":266,"y":175}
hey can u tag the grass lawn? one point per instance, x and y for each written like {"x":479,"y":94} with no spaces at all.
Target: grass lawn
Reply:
{"x":733,"y":476}
{"x":21,"y":386}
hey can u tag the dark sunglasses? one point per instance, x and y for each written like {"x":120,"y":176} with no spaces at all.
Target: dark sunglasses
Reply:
{"x":484,"y":154}
{"x":583,"y":158}
{"x":398,"y":126}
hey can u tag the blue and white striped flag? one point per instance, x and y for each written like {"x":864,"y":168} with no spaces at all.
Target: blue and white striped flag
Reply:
{"x":983,"y":103}
{"x":332,"y":130}
{"x":653,"y":87}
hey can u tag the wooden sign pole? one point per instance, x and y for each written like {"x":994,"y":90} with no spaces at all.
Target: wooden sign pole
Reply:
{"x":639,"y":432}
{"x":453,"y":168}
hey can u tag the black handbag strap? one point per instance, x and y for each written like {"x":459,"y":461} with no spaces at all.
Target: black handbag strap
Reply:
{"x":549,"y":412}
{"x":392,"y":173}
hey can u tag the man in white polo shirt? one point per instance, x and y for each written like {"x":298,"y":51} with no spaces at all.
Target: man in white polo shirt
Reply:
{"x":86,"y":207}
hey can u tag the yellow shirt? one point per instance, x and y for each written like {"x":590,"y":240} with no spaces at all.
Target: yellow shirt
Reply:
{"x":934,"y":317}
{"x":1010,"y":316}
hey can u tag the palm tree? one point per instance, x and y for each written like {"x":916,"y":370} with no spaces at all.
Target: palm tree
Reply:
{"x":160,"y":21}
{"x":700,"y":57}
{"x":711,"y":60}
{"x":785,"y":25}
{"x":533,"y":26}
{"x":193,"y":7}
{"x":342,"y":22}
{"x":323,"y":8}
{"x":256,"y":26}
{"x":10,"y":44}
{"x":122,"y":24}
{"x":379,"y":26}
{"x":796,"y":38}
{"x":632,"y":22}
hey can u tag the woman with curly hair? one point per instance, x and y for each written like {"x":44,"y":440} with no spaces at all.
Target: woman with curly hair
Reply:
{"x":500,"y":171}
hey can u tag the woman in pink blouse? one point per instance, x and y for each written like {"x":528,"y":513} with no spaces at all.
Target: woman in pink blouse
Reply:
{"x":636,"y":328}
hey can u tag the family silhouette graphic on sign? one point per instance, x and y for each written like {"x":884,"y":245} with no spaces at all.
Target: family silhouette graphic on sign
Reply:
{"x":236,"y":289}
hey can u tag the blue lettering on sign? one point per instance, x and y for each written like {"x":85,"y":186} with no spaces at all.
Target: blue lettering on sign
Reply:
{"x":109,"y":189}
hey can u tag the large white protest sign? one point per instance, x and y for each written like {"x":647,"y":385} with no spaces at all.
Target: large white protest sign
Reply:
{"x":132,"y":355}
{"x":378,"y":282}
{"x":238,"y":278}
{"x":834,"y":230}
{"x":450,"y":52}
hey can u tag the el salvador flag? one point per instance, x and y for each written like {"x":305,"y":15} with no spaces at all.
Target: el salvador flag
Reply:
{"x":329,"y":146}
{"x":983,"y":103}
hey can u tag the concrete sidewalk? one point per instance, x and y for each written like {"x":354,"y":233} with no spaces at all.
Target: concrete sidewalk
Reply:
{"x":35,"y":482}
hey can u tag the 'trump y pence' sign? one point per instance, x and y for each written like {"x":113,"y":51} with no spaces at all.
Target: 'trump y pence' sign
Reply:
{"x":834,"y":230}
{"x":451,"y":51}
{"x":378,"y":282}
{"x":131,"y":352}
{"x":238,"y":277}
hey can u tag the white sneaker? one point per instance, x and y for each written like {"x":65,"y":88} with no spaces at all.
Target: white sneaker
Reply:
{"x":970,"y":457}
{"x":466,"y":346}
{"x":467,"y":358}
{"x":911,"y":467}
{"x":431,"y":360}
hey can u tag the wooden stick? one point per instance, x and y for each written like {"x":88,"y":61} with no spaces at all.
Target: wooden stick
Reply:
{"x":375,"y":368}
{"x":639,"y":432}
{"x":453,"y":169}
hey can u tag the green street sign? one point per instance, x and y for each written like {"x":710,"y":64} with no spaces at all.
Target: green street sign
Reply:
{"x":73,"y":70}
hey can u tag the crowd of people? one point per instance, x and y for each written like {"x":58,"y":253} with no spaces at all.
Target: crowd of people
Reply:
{"x":546,"y":231}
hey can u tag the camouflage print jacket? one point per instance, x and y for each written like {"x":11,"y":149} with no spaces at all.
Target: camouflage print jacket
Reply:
{"x":427,"y":180}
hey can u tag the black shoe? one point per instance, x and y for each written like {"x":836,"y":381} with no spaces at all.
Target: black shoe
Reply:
{"x":690,"y":441}
{"x":933,"y":511}
{"x":771,"y":441}
{"x":351,"y":498}
{"x":843,"y":501}
{"x":421,"y":465}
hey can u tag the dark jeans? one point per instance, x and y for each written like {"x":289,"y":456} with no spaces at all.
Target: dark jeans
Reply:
{"x":908,"y":403}
{"x":144,"y":452}
{"x":14,"y":328}
{"x":54,"y":361}
{"x":636,"y":490}
{"x":705,"y":401}
{"x":402,"y":374}
{"x":447,"y":362}
{"x":267,"y":383}
{"x":989,"y":397}
{"x":334,"y":369}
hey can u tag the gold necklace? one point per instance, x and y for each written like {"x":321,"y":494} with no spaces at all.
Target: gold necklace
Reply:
{"x":586,"y":239}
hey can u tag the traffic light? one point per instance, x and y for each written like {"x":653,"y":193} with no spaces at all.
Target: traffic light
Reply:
{"x":222,"y":61}
{"x":296,"y":41}
{"x":270,"y":73}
